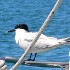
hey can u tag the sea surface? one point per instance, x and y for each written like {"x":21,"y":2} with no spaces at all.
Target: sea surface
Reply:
{"x":33,"y":13}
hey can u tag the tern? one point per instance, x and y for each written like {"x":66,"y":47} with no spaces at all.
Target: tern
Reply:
{"x":24,"y":38}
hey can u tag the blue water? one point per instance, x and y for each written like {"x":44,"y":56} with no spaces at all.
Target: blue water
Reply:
{"x":34,"y":13}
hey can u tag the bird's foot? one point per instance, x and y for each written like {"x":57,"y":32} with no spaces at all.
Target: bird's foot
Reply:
{"x":30,"y":59}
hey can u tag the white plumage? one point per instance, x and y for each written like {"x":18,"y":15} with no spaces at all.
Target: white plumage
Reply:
{"x":24,"y":38}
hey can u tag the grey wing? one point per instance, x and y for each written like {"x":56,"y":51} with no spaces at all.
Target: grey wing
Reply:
{"x":43,"y":41}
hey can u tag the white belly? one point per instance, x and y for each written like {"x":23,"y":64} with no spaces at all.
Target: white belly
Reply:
{"x":37,"y":48}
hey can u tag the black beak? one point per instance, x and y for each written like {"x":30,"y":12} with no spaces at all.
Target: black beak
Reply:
{"x":13,"y":30}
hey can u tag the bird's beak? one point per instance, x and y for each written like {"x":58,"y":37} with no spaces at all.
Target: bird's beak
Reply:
{"x":13,"y":30}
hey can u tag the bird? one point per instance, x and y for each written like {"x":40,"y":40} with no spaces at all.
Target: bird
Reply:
{"x":24,"y":38}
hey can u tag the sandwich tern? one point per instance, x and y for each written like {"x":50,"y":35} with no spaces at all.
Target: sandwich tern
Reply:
{"x":24,"y":38}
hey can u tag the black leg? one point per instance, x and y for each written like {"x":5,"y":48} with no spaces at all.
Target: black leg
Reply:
{"x":30,"y":57}
{"x":35,"y":56}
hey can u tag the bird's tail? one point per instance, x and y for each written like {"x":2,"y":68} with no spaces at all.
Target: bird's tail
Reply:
{"x":64,"y":40}
{"x":67,"y":40}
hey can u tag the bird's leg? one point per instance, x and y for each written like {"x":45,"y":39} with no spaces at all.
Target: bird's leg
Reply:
{"x":34,"y":57}
{"x":30,"y":57}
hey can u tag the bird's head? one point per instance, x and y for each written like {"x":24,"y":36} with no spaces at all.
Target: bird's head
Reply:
{"x":19,"y":26}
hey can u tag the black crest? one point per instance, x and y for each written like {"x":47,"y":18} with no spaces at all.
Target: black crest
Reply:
{"x":22,"y":26}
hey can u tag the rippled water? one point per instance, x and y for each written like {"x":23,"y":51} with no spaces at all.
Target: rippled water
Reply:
{"x":34,"y":13}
